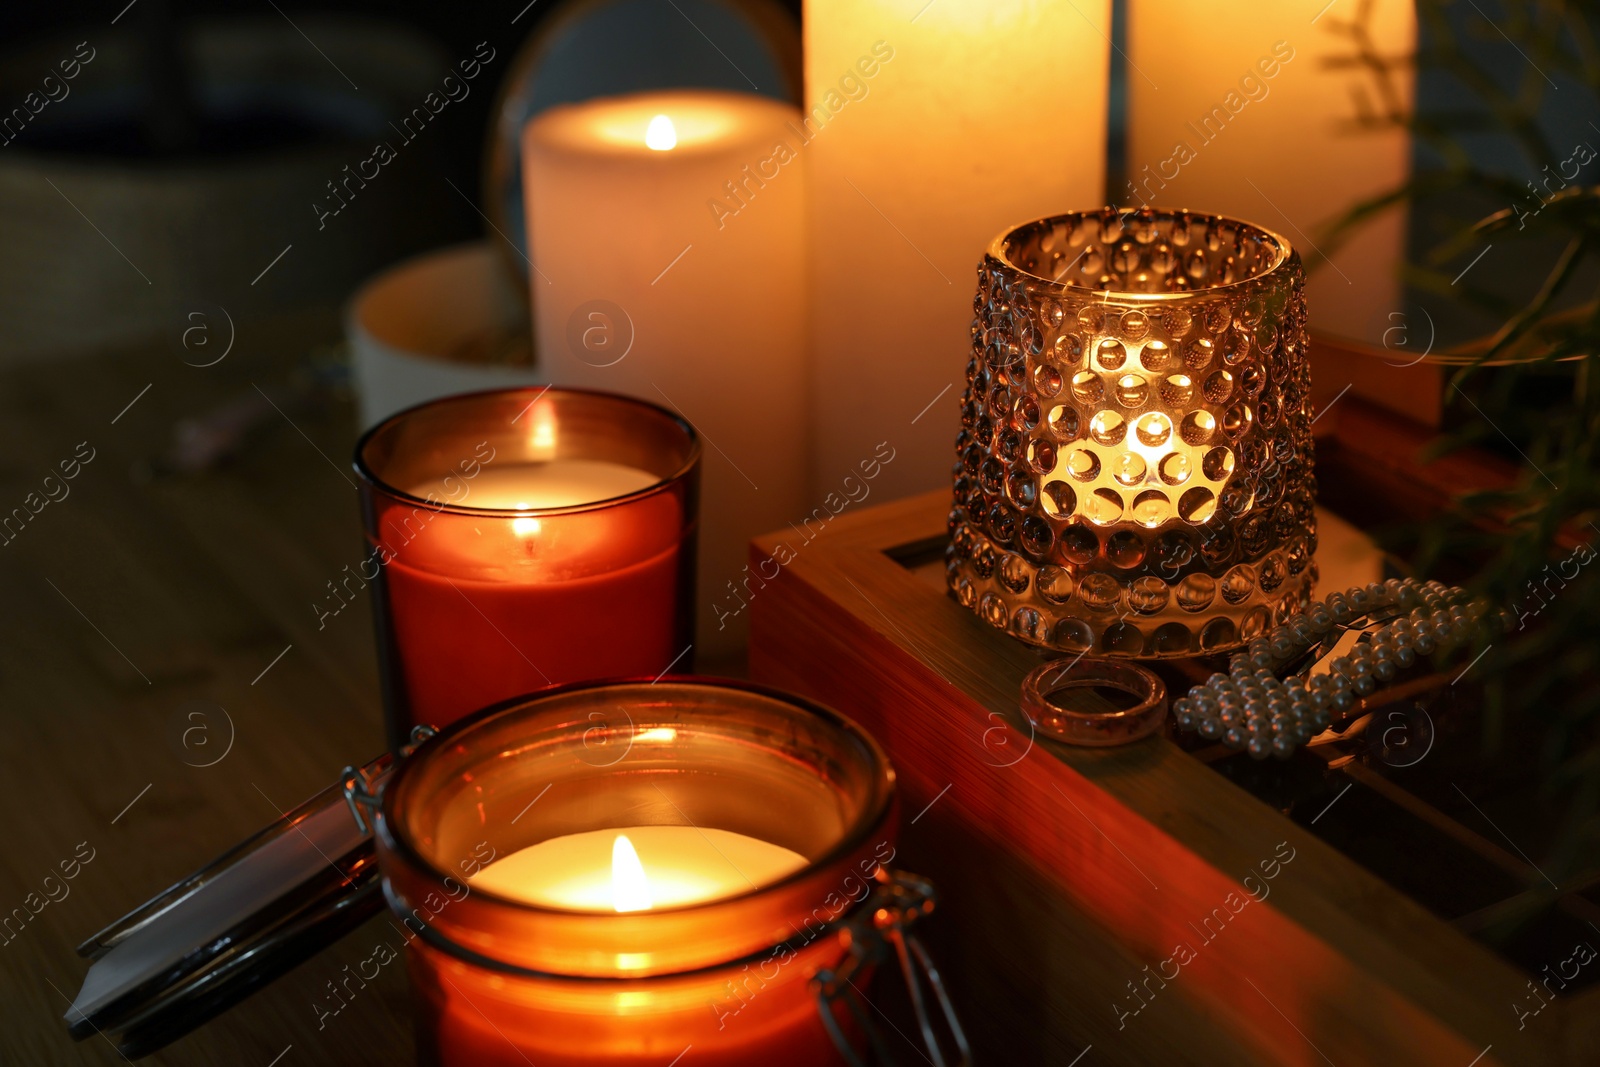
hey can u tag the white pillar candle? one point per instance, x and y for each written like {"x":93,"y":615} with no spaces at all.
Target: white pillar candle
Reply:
{"x":935,"y":126}
{"x":1256,"y":110}
{"x":668,"y":263}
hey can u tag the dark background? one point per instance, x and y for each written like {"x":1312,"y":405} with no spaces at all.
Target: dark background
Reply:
{"x":457,"y":27}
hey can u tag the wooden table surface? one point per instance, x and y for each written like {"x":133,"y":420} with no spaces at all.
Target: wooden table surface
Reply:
{"x":131,"y":605}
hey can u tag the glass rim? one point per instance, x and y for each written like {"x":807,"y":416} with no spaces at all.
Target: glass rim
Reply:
{"x":873,"y":818}
{"x":1284,"y":254}
{"x":371,"y":477}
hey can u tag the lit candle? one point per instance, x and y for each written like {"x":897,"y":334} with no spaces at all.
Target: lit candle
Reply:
{"x":1276,"y":113}
{"x":637,"y":868}
{"x":591,"y":931}
{"x":936,"y":126}
{"x":667,"y":247}
{"x":611,"y":940}
{"x":546,"y":556}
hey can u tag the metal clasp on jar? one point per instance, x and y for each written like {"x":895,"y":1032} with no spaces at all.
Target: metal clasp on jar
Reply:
{"x":364,"y":785}
{"x":876,"y":931}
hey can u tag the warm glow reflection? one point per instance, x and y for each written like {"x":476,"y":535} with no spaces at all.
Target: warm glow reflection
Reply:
{"x":543,"y":432}
{"x":524,"y":527}
{"x":630,"y":889}
{"x":631,"y":123}
{"x":661,"y":135}
{"x":664,"y":734}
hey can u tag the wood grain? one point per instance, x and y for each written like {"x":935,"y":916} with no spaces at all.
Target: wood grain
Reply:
{"x":188,"y":587}
{"x":1115,"y":853}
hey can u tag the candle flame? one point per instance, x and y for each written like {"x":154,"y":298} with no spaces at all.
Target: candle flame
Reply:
{"x":661,"y":135}
{"x":524,"y":527}
{"x":630,"y":889}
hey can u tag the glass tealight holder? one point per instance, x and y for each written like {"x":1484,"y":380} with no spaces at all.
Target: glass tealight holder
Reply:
{"x":1134,"y":468}
{"x":520,"y":538}
{"x":738,"y":968}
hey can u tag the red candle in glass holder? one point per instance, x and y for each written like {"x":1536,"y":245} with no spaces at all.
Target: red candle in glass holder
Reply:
{"x":525,"y":538}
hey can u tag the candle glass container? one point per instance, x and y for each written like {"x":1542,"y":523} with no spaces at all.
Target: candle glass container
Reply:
{"x":1134,"y":468}
{"x":739,"y":979}
{"x":525,"y":537}
{"x":747,"y":926}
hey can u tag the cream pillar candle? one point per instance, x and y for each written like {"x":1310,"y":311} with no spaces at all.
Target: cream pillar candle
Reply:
{"x":1267,"y":111}
{"x":935,"y":125}
{"x":668,"y":263}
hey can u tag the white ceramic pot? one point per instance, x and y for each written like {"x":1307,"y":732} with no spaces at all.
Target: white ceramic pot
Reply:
{"x":445,"y":322}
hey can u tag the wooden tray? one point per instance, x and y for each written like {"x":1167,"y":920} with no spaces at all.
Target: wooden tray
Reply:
{"x":1070,"y":877}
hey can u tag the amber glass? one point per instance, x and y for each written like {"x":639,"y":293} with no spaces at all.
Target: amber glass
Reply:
{"x":1133,"y":470}
{"x":1066,"y":699}
{"x":503,"y":982}
{"x":479,"y":599}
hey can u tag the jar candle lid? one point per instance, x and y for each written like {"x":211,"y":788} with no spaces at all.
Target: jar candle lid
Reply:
{"x":254,"y":913}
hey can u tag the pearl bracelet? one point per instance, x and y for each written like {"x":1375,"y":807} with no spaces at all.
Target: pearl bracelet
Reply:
{"x":1330,"y":658}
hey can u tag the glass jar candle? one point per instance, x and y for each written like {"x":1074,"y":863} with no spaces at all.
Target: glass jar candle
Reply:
{"x":759,"y":827}
{"x":604,"y":874}
{"x":526,"y":537}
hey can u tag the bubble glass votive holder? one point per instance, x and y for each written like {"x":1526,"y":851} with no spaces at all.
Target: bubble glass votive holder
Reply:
{"x":1134,"y":469}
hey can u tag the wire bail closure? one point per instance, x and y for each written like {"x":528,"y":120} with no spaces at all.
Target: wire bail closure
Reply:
{"x":362,"y":785}
{"x":883,"y":928}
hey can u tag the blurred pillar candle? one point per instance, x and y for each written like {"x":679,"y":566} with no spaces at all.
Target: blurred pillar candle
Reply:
{"x":935,"y":126}
{"x":1282,"y":114}
{"x":445,"y":322}
{"x":668,"y":263}
{"x":523,"y":538}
